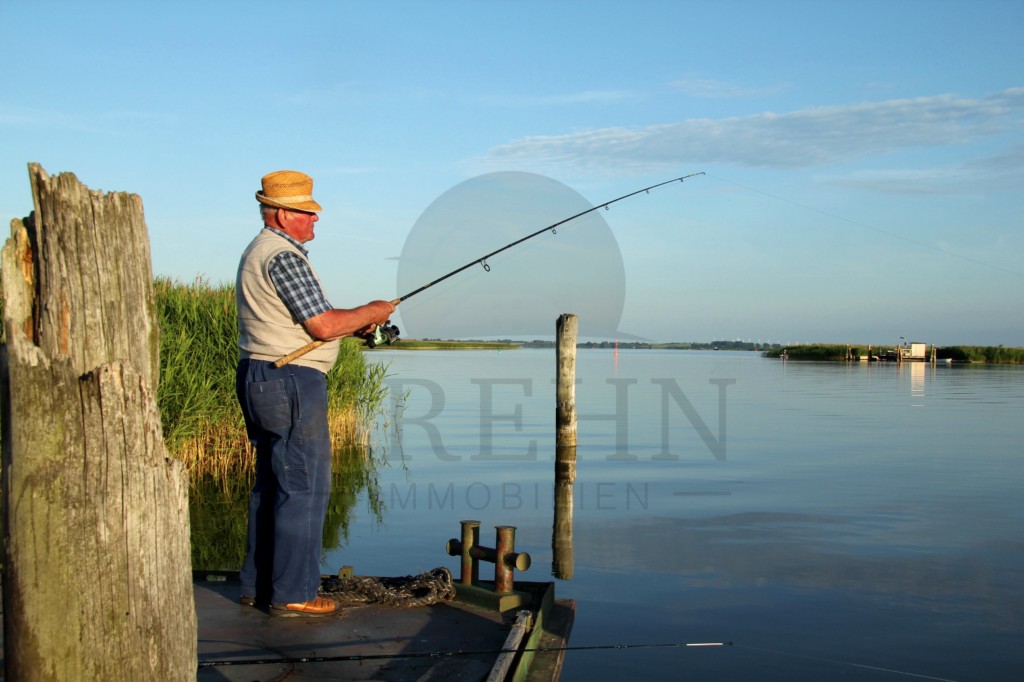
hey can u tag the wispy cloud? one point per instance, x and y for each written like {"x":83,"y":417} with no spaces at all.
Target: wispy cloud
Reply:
{"x":355,"y":93}
{"x":804,"y":138}
{"x":106,"y":122}
{"x":560,"y":99}
{"x":1010,"y":160}
{"x":936,"y":180}
{"x":1000,"y":171}
{"x":42,"y":118}
{"x":712,"y":89}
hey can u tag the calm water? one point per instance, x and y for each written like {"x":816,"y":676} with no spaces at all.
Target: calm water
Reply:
{"x":857,"y":521}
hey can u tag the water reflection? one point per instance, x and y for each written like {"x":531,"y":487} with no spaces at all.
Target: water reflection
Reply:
{"x":563,"y":560}
{"x":918,"y":373}
{"x":884,"y":559}
{"x":843,"y":522}
{"x":218,"y":509}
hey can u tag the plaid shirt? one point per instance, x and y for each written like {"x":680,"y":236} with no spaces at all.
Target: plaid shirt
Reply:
{"x":296,"y":284}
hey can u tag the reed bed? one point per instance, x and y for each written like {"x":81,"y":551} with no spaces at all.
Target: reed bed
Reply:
{"x":819,"y":352}
{"x":198,"y":353}
{"x":983,"y":354}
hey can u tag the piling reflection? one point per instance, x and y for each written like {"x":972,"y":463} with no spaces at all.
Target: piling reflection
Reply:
{"x":563,"y":561}
{"x":916,"y":374}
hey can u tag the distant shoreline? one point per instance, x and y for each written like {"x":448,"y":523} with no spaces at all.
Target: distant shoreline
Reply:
{"x":508,"y":344}
{"x":994,"y":355}
{"x":807,"y":352}
{"x":418,"y":344}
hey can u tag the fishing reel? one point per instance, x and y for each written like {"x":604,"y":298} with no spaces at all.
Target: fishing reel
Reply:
{"x":385,"y":334}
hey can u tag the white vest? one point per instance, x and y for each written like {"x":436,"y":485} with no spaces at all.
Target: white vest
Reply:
{"x":266,"y":330}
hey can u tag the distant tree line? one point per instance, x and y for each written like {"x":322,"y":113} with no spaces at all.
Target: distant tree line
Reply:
{"x":838,"y":352}
{"x":647,"y":345}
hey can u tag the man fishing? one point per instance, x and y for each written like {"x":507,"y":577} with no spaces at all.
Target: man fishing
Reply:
{"x":281,"y":305}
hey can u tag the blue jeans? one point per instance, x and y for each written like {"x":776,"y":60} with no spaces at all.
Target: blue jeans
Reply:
{"x":286,"y":419}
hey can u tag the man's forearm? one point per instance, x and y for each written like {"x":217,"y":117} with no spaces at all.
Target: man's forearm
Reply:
{"x":340,"y":322}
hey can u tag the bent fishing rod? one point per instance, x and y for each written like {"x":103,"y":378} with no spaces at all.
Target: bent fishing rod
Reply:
{"x":388,"y":333}
{"x":454,"y":653}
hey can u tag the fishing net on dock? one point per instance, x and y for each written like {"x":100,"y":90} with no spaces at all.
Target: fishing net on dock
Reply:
{"x":408,"y":591}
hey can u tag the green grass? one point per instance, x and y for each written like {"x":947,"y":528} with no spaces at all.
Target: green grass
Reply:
{"x":198,"y":354}
{"x":202,"y":423}
{"x":985,"y":354}
{"x":820,"y":352}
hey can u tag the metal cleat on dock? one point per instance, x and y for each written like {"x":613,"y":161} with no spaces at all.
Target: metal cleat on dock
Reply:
{"x":505,"y":559}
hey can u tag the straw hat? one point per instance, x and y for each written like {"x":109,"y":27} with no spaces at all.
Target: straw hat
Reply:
{"x":288,"y":189}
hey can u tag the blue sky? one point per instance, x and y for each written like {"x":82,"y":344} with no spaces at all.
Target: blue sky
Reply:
{"x":864,"y":161}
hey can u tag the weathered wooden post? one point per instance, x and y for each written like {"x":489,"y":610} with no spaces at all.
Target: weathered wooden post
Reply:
{"x":566,"y":331}
{"x":97,"y":576}
{"x":565,"y":396}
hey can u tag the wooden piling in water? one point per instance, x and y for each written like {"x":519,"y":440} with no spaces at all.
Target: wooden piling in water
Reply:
{"x":565,"y":394}
{"x":97,"y":568}
{"x":565,"y":445}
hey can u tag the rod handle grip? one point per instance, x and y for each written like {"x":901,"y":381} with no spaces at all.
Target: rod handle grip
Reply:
{"x":297,"y":353}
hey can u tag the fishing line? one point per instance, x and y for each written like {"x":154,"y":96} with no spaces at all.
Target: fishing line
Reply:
{"x":893,"y":235}
{"x":489,"y":262}
{"x":482,"y":262}
{"x":455,"y":653}
{"x":471,"y":277}
{"x":835,"y":661}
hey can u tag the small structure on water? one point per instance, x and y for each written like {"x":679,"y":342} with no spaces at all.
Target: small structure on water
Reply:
{"x":915,"y":351}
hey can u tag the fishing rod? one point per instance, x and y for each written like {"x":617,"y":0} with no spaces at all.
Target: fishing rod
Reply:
{"x":482,"y":260}
{"x":285,"y":660}
{"x":387,"y":333}
{"x":453,"y":653}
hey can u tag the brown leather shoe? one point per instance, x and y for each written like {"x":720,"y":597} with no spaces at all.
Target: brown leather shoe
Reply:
{"x":321,"y":606}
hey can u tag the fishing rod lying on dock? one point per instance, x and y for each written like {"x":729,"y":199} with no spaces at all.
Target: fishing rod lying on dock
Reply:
{"x":498,"y":652}
{"x":454,"y":653}
{"x":387,"y":333}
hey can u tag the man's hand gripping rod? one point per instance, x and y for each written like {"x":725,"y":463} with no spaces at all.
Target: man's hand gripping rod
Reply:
{"x":483,"y":259}
{"x":376,"y":338}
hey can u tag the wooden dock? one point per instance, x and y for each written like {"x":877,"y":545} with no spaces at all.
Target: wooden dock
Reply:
{"x":456,"y":640}
{"x":464,"y":639}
